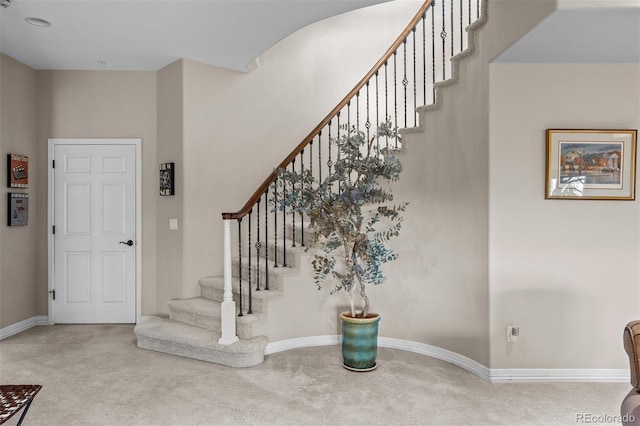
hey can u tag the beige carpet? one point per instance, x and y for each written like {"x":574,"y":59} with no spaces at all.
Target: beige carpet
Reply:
{"x":95,"y":375}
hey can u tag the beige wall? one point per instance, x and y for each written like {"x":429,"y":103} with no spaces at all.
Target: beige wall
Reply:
{"x":565,"y":272}
{"x":19,"y":284}
{"x":170,"y":145}
{"x":101,"y":104}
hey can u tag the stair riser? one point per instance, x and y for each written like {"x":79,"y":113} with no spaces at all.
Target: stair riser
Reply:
{"x":197,"y":320}
{"x":278,"y":254}
{"x":217,"y":294}
{"x":275,"y":280}
{"x":298,"y":229}
{"x":202,"y":354}
{"x":244,"y":331}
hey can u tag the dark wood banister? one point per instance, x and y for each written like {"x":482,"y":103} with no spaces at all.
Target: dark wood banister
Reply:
{"x":272,"y":176}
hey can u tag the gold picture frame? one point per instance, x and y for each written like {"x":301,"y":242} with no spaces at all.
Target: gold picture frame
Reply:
{"x":586,"y":164}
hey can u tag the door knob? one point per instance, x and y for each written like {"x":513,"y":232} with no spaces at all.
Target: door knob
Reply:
{"x":128,"y":243}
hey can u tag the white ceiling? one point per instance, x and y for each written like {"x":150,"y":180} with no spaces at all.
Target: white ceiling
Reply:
{"x":581,"y":35}
{"x":149,"y":34}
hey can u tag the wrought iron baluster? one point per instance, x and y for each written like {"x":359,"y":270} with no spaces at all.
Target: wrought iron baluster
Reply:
{"x":451,"y":28}
{"x":477,"y":9}
{"x":395,"y":88}
{"x":338,"y":151}
{"x":433,"y":52}
{"x":358,"y":110}
{"x":293,"y":213}
{"x":258,"y":247}
{"x":266,"y":239}
{"x":461,"y":25}
{"x":405,"y":82}
{"x":301,"y":192}
{"x":329,"y":162}
{"x":275,"y":222}
{"x":249,"y":277}
{"x":424,"y":58}
{"x":386,"y":98}
{"x":320,"y":152}
{"x":443,"y":35}
{"x":415,"y":81}
{"x":377,"y":111}
{"x":469,"y":13}
{"x":367,"y":124}
{"x":284,"y":224}
{"x":240,"y":264}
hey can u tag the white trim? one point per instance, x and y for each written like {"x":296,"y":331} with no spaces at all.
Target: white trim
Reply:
{"x":23,"y":325}
{"x":597,"y":4}
{"x":137,"y":143}
{"x":301,"y":342}
{"x":529,"y":375}
{"x":454,"y":358}
{"x":228,"y":334}
{"x":493,"y":375}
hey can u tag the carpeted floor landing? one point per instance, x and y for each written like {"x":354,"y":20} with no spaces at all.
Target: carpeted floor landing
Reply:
{"x":95,"y":375}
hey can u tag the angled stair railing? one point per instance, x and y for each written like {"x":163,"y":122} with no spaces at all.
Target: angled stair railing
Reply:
{"x":403,"y":79}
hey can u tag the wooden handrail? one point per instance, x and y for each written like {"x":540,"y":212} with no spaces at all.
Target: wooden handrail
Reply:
{"x":272,"y":176}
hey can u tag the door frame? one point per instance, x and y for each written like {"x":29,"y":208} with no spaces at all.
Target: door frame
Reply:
{"x":137,"y":143}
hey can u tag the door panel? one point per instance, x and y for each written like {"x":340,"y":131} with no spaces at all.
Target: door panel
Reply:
{"x":94,"y":210}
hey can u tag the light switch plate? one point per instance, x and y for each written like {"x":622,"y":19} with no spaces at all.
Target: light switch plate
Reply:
{"x":173,"y":224}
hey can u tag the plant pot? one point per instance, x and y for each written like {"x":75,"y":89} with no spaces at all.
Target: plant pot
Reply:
{"x":359,"y":341}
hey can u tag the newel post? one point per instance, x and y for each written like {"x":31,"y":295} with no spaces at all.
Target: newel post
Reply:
{"x":228,"y":306}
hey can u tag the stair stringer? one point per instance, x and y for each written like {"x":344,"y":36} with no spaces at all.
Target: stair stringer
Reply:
{"x":456,"y":61}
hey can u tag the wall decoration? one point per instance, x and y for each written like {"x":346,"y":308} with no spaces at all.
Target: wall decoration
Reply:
{"x":591,"y":164}
{"x":167,"y":179}
{"x":18,"y":212}
{"x":17,"y":171}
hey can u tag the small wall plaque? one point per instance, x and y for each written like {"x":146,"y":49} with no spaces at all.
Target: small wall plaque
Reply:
{"x":18,"y":213}
{"x":17,"y":171}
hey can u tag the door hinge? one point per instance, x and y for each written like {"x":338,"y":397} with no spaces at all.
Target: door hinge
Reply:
{"x":54,"y":164}
{"x":53,"y":293}
{"x":54,"y":230}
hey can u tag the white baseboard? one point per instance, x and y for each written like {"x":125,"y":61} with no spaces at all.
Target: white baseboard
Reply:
{"x":23,"y":325}
{"x":530,"y":375}
{"x":493,"y":375}
{"x":301,"y":342}
{"x":454,"y":358}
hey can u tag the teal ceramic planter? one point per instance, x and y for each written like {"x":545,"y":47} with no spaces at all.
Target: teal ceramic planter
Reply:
{"x":359,"y":341}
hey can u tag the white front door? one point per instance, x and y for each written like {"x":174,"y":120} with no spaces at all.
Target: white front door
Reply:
{"x":94,"y":215}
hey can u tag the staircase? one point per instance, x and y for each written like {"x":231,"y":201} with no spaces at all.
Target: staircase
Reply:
{"x":265,"y":258}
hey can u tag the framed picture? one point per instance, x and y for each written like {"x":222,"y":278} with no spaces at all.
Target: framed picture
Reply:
{"x":591,"y":164}
{"x":18,"y":212}
{"x":167,"y":179}
{"x":17,"y":171}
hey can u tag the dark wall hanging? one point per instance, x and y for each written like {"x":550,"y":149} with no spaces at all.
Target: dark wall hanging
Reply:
{"x":167,"y":179}
{"x":17,"y":171}
{"x":18,"y":209}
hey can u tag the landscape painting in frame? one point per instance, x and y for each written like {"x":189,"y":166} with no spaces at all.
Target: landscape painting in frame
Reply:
{"x":591,"y":164}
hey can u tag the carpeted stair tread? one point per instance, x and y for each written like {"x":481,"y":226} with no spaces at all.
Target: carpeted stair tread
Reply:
{"x":176,"y":338}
